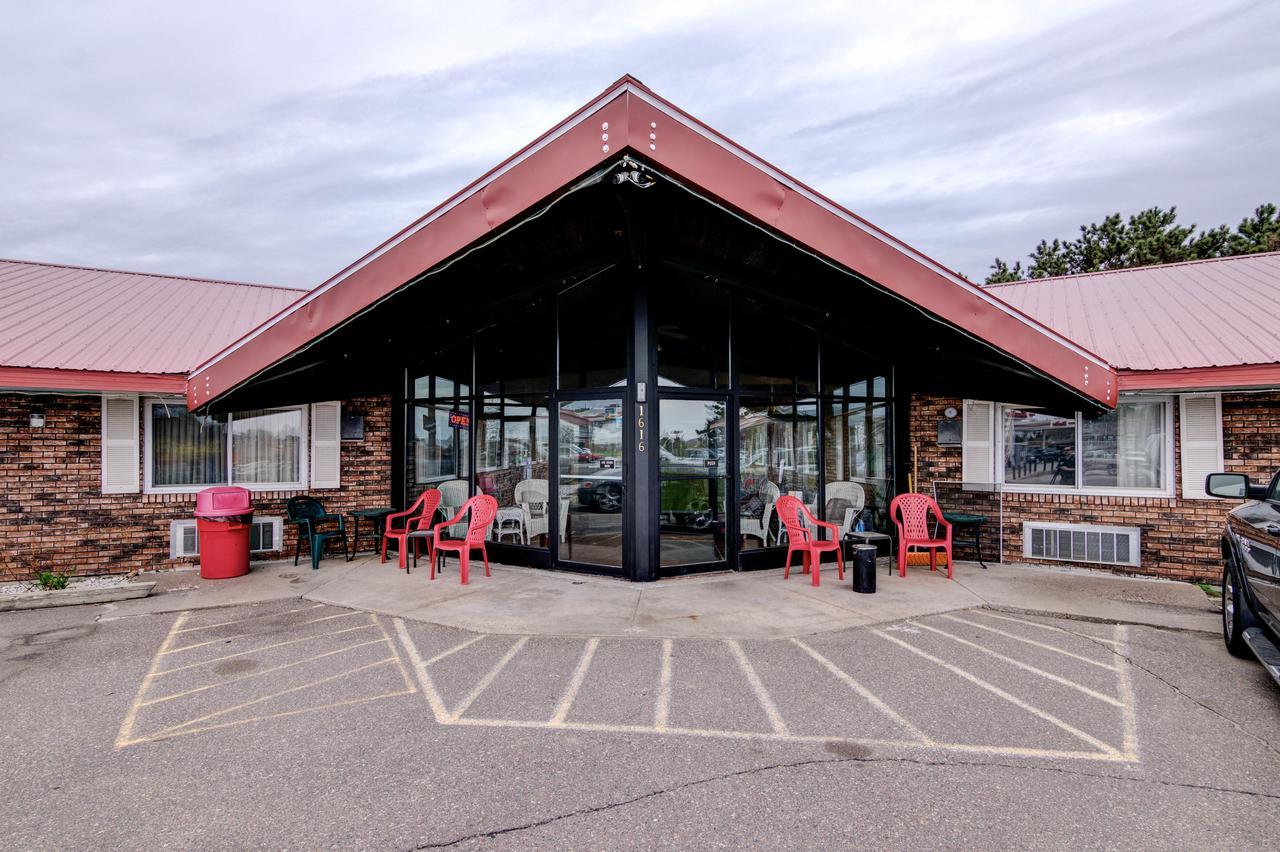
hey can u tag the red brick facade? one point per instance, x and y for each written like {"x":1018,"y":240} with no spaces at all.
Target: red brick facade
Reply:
{"x":54,"y":516}
{"x":1179,"y":536}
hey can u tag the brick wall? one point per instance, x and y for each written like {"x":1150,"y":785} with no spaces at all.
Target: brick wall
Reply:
{"x":54,"y":516}
{"x":1179,"y":537}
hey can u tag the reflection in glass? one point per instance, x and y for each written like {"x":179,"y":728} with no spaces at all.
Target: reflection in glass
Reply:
{"x":856,"y":464}
{"x":186,"y":448}
{"x":777,"y":454}
{"x":774,"y":354}
{"x":691,"y":331}
{"x":691,"y":436}
{"x":692,"y":488}
{"x":450,"y":375}
{"x":1039,"y":448}
{"x":591,"y":480}
{"x":514,"y":356}
{"x":1125,"y":448}
{"x":512,"y":465}
{"x":266,"y":446}
{"x":439,"y":451}
{"x":594,"y":319}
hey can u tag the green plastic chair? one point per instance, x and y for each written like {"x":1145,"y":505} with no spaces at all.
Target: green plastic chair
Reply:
{"x":308,"y":514}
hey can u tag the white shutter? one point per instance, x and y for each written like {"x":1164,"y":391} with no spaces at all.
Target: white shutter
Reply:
{"x":978,"y":442}
{"x":120,"y":445}
{"x":326,"y":444}
{"x":1200,"y":422}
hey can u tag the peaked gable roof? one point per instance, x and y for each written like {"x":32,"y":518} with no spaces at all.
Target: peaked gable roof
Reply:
{"x":81,"y":328}
{"x":630,"y":118}
{"x":1218,"y":317}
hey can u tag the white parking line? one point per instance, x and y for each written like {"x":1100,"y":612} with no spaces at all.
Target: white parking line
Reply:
{"x":1125,"y":683}
{"x":455,"y":649}
{"x":579,"y":675}
{"x":997,"y":691}
{"x":662,"y":710}
{"x":250,"y":618}
{"x":1024,"y":666}
{"x":865,"y":693}
{"x":762,"y":694}
{"x":487,"y":679}
{"x":989,"y":614}
{"x":1027,"y":641}
{"x":243,"y":635}
{"x":262,"y":648}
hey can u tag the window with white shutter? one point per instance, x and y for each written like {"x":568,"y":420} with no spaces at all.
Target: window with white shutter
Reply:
{"x":977,"y":438}
{"x":1201,"y":438}
{"x":326,"y":444}
{"x":120,"y":445}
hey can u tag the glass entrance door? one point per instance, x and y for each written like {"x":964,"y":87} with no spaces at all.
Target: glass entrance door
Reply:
{"x":591,"y":485}
{"x":693,"y":482}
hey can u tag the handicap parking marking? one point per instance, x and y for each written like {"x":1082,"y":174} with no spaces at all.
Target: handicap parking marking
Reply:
{"x":200,"y":705}
{"x":700,"y":669}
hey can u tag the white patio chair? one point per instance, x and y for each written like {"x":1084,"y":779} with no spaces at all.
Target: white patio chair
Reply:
{"x":759,"y":527}
{"x":531,"y":497}
{"x":851,"y":493}
{"x":454,"y":494}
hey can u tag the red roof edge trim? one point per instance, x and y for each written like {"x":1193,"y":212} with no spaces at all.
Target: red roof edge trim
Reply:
{"x":713,"y":135}
{"x":1079,"y":275}
{"x":298,"y":290}
{"x":620,"y":87}
{"x":1241,"y":376}
{"x":94,"y":381}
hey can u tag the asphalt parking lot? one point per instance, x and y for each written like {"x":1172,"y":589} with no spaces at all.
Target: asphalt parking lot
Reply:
{"x":295,"y":724}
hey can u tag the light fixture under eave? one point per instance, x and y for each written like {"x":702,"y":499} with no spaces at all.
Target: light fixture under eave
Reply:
{"x":37,"y":420}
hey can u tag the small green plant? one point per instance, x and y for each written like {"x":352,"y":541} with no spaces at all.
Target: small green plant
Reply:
{"x":49,"y":581}
{"x":1210,"y":590}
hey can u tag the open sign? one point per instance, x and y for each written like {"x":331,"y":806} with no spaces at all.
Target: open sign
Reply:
{"x":459,"y":420}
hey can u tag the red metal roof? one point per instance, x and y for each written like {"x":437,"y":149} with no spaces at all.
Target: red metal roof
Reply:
{"x":79,"y":328}
{"x":630,"y":117}
{"x":1208,"y":318}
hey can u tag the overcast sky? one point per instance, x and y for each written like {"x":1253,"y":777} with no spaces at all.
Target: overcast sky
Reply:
{"x":276,"y":142}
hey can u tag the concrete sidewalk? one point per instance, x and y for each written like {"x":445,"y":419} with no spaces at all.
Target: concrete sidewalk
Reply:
{"x":756,"y":604}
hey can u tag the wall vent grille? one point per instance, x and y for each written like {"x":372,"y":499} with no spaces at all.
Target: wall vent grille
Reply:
{"x":1082,"y":543}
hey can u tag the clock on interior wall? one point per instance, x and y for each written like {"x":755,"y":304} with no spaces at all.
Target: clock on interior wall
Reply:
{"x":950,"y":428}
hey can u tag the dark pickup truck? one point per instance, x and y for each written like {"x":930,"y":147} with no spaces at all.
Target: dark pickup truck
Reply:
{"x":1251,"y":568}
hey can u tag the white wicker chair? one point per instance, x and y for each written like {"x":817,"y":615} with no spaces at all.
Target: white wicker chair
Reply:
{"x":454,"y":494}
{"x":759,"y":527}
{"x":856,"y":497}
{"x":531,"y":497}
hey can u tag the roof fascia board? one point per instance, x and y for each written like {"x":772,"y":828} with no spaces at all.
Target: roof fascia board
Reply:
{"x":1241,"y":377}
{"x":44,"y":379}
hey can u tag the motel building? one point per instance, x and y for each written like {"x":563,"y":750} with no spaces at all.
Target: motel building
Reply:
{"x":647,"y":334}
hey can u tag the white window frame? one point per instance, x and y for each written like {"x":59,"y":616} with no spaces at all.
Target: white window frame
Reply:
{"x":1170,"y":480}
{"x":147,"y":460}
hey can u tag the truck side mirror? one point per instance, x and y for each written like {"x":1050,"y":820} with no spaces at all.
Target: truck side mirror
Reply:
{"x":1232,"y":486}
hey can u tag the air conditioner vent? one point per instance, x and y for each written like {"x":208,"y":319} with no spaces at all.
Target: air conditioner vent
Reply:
{"x":1082,"y":543}
{"x":264,"y":537}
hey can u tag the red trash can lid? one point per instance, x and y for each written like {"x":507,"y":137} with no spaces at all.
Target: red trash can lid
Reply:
{"x":223,"y":500}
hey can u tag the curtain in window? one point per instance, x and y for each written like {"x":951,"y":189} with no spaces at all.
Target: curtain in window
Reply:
{"x":1125,"y":448}
{"x":187,"y":449}
{"x":266,"y":446}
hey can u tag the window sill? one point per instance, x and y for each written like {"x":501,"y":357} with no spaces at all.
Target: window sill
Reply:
{"x":1088,"y":492}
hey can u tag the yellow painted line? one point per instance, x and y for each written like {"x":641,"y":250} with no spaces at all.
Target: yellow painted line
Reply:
{"x":662,"y":710}
{"x":575,"y":683}
{"x":250,"y":618}
{"x":263,"y":648}
{"x":251,"y":675}
{"x":866,"y":694}
{"x":762,"y":694}
{"x":1024,"y":666}
{"x":455,"y":649}
{"x":990,"y":614}
{"x":243,"y":635}
{"x":283,"y":692}
{"x":964,"y":748}
{"x":125,"y":737}
{"x":1124,"y":676}
{"x":429,"y":691}
{"x":280,"y":715}
{"x":391,"y":646}
{"x":487,"y":679}
{"x":997,"y":691}
{"x":1027,"y":641}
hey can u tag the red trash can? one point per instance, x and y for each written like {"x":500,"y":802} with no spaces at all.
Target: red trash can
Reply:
{"x":224,"y":517}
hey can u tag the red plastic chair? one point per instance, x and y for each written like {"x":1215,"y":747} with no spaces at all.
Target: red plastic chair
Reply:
{"x":483,"y":508}
{"x":910,"y":512}
{"x":801,"y":537}
{"x":420,"y":513}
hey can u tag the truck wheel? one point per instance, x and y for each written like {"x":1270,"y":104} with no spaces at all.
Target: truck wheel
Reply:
{"x":1233,"y":614}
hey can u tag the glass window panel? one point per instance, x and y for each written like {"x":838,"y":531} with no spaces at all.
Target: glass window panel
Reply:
{"x":187,"y":449}
{"x":691,"y":436}
{"x":591,"y":480}
{"x":773,"y":353}
{"x":513,"y":463}
{"x":1125,"y":448}
{"x":595,"y":318}
{"x":777,"y":454}
{"x":692,"y":520}
{"x":691,"y":332}
{"x":857,"y":450}
{"x":515,"y":355}
{"x":266,"y":446}
{"x":438,"y":451}
{"x":1039,"y":448}
{"x":449,"y":373}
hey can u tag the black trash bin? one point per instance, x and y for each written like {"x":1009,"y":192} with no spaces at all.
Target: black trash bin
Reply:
{"x":864,"y":568}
